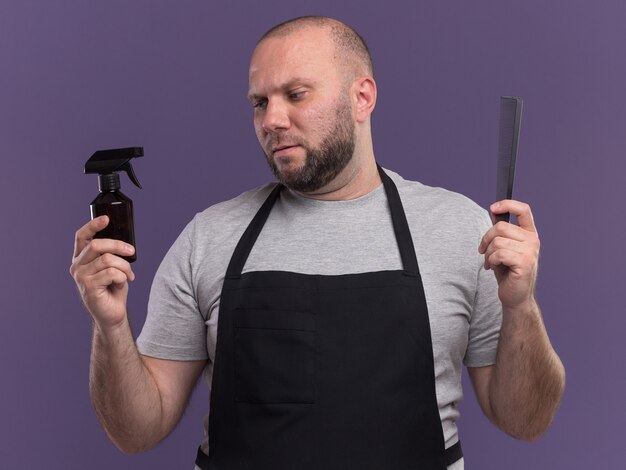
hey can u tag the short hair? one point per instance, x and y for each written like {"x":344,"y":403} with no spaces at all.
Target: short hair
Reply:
{"x":347,"y":41}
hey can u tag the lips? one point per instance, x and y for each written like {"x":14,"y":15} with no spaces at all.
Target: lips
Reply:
{"x":284,"y":151}
{"x":282,"y":147}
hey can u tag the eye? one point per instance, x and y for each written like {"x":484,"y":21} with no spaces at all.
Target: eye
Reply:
{"x":296,"y":95}
{"x":260,"y":103}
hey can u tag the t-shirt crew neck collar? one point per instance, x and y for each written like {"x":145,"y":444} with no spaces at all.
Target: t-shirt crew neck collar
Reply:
{"x":293,"y":197}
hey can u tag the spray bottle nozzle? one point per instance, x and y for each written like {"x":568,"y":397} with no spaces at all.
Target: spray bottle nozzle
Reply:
{"x":105,"y":162}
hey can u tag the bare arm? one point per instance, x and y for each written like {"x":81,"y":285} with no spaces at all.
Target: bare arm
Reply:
{"x":138,"y":399}
{"x":521,"y":392}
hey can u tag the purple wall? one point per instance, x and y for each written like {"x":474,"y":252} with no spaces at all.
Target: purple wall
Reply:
{"x":79,"y":76}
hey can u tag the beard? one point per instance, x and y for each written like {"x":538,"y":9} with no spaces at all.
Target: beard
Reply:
{"x":324,"y":163}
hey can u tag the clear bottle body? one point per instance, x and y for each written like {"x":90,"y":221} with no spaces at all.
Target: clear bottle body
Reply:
{"x":119,"y":209}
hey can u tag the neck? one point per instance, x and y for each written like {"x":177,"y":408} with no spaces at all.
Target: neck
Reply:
{"x":357,"y":179}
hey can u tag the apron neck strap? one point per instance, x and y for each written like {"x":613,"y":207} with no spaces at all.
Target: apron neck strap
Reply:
{"x":242,"y":251}
{"x":400,"y":227}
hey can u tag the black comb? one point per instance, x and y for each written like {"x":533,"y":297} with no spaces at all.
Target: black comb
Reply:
{"x":510,"y":120}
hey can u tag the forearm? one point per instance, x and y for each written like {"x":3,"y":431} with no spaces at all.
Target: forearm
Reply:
{"x":124,"y":394}
{"x":528,"y":378}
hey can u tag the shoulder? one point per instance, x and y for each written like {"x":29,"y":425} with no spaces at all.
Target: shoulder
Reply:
{"x":237,"y":208}
{"x":219,"y":221}
{"x":215,"y":230}
{"x":440,"y":205}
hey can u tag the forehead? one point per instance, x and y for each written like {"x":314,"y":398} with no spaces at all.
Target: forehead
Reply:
{"x":307,"y":54}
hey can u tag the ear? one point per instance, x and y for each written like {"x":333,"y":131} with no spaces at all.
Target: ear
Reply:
{"x":365,"y":94}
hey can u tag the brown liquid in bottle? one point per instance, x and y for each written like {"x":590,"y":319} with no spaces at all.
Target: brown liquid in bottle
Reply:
{"x":119,"y":209}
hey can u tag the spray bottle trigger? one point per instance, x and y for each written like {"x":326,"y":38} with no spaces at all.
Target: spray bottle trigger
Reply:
{"x":128,"y":168}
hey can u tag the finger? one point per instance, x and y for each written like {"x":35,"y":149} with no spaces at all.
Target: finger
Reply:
{"x":501,"y":243}
{"x":521,"y":210}
{"x":108,"y":260}
{"x":105,"y":278}
{"x":87,"y":232}
{"x":518,"y":262}
{"x":502,"y":258}
{"x":504,"y":230}
{"x":100,"y":246}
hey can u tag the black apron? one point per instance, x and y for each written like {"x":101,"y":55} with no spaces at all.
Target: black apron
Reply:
{"x":324,"y":372}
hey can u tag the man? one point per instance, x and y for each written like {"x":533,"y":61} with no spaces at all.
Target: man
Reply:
{"x":334,"y":348}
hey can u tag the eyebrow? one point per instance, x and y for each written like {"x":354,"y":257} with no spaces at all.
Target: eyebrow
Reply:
{"x":285,"y":86}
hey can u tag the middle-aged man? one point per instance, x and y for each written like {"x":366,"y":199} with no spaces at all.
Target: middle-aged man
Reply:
{"x":334,"y":348}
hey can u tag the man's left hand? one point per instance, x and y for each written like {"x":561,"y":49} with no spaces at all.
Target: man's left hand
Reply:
{"x":512,"y":251}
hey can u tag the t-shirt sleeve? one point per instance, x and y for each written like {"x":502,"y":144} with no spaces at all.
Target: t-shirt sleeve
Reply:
{"x":486,"y":317}
{"x":175,"y":328}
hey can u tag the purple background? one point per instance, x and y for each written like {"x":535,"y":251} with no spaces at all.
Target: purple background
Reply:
{"x":78,"y":76}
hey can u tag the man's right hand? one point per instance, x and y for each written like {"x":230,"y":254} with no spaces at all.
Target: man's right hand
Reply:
{"x":101,"y":274}
{"x":138,"y":399}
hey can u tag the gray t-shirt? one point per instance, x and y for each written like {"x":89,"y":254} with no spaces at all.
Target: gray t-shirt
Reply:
{"x":336,"y":237}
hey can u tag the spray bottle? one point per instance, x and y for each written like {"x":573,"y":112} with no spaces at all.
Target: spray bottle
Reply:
{"x":111,"y":202}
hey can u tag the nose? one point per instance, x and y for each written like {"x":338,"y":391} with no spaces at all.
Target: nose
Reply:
{"x":275,"y":117}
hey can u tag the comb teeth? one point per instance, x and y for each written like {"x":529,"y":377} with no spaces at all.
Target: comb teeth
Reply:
{"x":510,"y":119}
